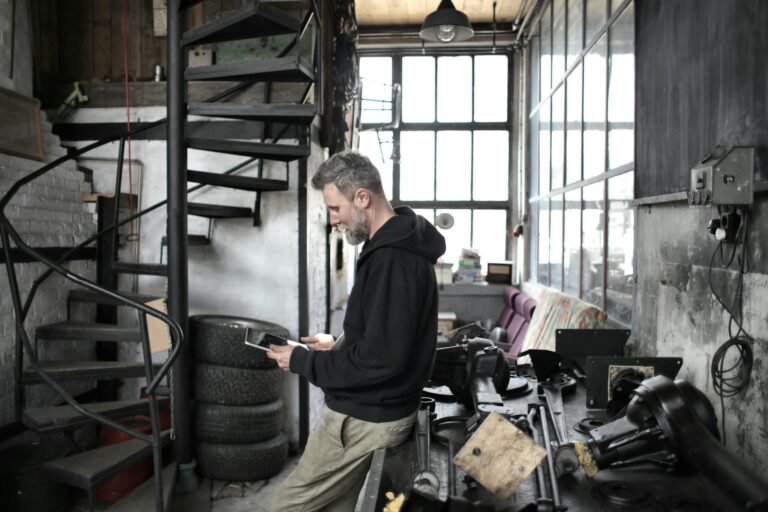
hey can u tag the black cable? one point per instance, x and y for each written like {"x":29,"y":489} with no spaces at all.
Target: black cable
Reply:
{"x":728,"y":382}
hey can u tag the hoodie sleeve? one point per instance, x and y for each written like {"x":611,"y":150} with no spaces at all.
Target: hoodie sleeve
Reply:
{"x":392,"y":301}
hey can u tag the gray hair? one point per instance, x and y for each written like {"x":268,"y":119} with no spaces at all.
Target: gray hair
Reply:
{"x":348,"y":170}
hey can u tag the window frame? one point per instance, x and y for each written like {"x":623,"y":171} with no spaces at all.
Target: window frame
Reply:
{"x":435,"y":126}
{"x":539,"y":98}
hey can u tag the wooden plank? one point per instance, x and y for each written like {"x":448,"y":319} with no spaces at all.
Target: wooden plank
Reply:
{"x":133,"y":11}
{"x":117,"y":41}
{"x":102,"y":41}
{"x":150,"y":50}
{"x":499,"y":456}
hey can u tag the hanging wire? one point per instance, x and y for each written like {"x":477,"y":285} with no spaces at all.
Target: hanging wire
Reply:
{"x":731,"y":380}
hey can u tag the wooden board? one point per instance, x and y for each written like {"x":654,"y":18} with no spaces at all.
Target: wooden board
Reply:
{"x":20,"y":130}
{"x":413,"y":12}
{"x":499,"y":456}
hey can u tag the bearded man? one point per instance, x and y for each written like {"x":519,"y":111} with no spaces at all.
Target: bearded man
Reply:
{"x":373,"y":374}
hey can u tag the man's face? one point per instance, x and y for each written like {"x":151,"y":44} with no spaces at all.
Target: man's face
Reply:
{"x":345,"y":215}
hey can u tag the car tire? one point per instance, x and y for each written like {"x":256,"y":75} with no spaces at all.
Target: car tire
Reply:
{"x":219,"y":339}
{"x":242,"y":462}
{"x":239,"y":424}
{"x":224,"y":385}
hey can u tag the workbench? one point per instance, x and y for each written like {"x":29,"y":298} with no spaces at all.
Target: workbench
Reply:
{"x":644,"y":487}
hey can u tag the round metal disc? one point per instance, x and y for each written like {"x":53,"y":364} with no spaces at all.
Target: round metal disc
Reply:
{"x":622,"y":494}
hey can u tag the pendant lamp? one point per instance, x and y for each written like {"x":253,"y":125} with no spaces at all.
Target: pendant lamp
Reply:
{"x":446,"y":25}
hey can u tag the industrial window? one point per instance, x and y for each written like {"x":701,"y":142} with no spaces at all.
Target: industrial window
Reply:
{"x":581,"y":152}
{"x":437,"y":127}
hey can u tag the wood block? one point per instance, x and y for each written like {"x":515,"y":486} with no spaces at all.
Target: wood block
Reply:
{"x":500,"y":456}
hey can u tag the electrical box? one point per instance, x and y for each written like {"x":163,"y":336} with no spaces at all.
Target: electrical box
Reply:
{"x":723,"y":177}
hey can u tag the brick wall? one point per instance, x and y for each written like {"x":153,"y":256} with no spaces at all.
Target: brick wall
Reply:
{"x":48,"y":212}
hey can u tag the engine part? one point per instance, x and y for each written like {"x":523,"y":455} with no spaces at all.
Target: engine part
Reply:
{"x":674,"y":421}
{"x":566,"y":460}
{"x":621,"y":494}
{"x":425,"y":481}
{"x":475,"y":371}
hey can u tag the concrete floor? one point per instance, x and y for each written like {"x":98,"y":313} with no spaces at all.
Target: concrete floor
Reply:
{"x":246,"y":496}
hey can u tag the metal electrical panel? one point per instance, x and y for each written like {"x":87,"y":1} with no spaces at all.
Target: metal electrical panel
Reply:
{"x":723,"y":177}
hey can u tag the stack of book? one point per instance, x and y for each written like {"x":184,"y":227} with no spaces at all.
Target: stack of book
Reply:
{"x":470,"y":270}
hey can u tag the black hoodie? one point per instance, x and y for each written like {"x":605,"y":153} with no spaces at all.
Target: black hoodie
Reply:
{"x":390,"y":328}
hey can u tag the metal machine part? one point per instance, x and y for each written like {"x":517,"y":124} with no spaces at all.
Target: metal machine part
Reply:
{"x":475,"y":371}
{"x":425,"y":481}
{"x":566,"y":460}
{"x":673,"y":422}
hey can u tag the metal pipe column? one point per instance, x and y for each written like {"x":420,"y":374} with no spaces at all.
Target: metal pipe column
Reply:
{"x":178,"y":308}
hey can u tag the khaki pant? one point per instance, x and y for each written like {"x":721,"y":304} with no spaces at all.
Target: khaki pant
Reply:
{"x":335,"y":462}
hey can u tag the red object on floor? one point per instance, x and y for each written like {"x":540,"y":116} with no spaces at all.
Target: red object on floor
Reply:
{"x":131,"y":477}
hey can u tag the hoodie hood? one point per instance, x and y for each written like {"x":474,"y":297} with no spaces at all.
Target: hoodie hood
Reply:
{"x":409,"y":232}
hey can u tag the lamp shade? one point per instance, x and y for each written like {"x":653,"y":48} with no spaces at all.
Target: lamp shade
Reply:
{"x":446,"y":25}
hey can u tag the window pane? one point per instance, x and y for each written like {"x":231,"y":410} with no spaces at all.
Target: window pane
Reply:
{"x":535,"y":52}
{"x":597,"y":14}
{"x":378,"y":147}
{"x":533,"y":244}
{"x":533,"y":151}
{"x":376,"y":79}
{"x":558,"y":137}
{"x":572,"y":243}
{"x":592,"y":229}
{"x":621,"y":90}
{"x":543,"y":233}
{"x":546,"y":50}
{"x":594,"y":109}
{"x":575,"y":29}
{"x":621,"y":243}
{"x":491,"y":166}
{"x":489,"y":235}
{"x":419,"y":89}
{"x":454,"y":165}
{"x":558,"y":40}
{"x":417,"y":165}
{"x":491,"y":88}
{"x":556,"y":242}
{"x":458,"y":236}
{"x":544,"y":147}
{"x":454,"y":89}
{"x":573,"y":135}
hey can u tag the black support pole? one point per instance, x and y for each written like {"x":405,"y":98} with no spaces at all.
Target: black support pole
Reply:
{"x":178,"y":308}
{"x":303,"y":300}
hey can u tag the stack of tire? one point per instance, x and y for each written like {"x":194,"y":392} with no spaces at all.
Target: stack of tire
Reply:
{"x":237,"y":412}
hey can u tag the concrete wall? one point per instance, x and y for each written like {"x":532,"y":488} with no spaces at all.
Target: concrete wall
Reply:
{"x":701,"y":81}
{"x":677,"y":315}
{"x":49,"y":212}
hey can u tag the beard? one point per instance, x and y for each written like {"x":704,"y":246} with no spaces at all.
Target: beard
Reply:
{"x":357,"y":231}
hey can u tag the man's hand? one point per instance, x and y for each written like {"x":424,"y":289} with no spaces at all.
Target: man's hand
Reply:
{"x":319,"y":341}
{"x":281,"y":355}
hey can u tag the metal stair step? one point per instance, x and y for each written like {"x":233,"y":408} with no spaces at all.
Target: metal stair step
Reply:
{"x":191,"y":240}
{"x":83,"y":295}
{"x":64,"y":417}
{"x":88,"y":469}
{"x":85,"y":370}
{"x":153,"y":269}
{"x":216,"y":211}
{"x":239,"y":182}
{"x":271,"y":112}
{"x":281,"y":152}
{"x":255,"y":18}
{"x":284,"y":69}
{"x":87,"y":331}
{"x":142,"y":498}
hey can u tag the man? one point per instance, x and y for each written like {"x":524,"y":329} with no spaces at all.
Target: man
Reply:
{"x":372,"y":376}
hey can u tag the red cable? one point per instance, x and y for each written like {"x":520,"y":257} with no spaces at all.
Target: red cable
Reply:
{"x":133,"y":235}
